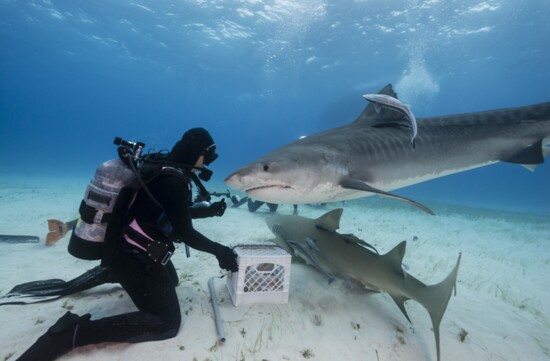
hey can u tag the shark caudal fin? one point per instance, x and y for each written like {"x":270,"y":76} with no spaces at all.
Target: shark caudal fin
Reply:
{"x":435,"y":298}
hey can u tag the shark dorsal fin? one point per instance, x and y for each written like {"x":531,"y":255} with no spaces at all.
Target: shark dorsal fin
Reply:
{"x":388,"y":90}
{"x":330,"y":221}
{"x":394,"y":258}
{"x":382,"y":116}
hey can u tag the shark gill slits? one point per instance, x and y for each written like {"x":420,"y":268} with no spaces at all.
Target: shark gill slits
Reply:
{"x":278,"y":231}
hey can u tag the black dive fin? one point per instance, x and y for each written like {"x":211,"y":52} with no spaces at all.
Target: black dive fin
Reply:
{"x":7,"y":238}
{"x":254,"y":205}
{"x":238,"y":202}
{"x":361,"y":186}
{"x":34,"y":292}
{"x":48,"y":290}
{"x":272,"y":207}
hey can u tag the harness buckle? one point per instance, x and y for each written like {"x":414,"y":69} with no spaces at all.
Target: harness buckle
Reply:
{"x":166,"y":258}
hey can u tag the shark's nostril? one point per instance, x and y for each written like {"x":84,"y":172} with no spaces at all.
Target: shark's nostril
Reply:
{"x":266,"y":167}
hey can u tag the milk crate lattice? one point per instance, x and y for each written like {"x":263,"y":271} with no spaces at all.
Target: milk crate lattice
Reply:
{"x":264,"y":277}
{"x":264,"y":274}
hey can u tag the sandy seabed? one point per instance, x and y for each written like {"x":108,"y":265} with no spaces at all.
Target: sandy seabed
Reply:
{"x":501,"y":311}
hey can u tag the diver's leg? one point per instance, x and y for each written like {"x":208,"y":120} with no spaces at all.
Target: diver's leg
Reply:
{"x":57,"y":341}
{"x":254,"y":205}
{"x":151,"y":288}
{"x":172,"y":273}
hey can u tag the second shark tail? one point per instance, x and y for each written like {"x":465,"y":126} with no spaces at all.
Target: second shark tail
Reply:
{"x":435,"y":298}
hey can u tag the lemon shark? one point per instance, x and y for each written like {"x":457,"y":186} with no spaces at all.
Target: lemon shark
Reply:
{"x":346,"y":256}
{"x":373,"y":154}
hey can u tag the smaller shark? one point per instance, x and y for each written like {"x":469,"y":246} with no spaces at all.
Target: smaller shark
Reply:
{"x":347,"y":257}
{"x":386,"y":101}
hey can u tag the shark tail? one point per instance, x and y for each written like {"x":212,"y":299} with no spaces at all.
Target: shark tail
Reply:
{"x":435,"y":298}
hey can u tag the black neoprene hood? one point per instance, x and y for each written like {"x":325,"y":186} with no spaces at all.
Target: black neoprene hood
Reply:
{"x":194,"y":143}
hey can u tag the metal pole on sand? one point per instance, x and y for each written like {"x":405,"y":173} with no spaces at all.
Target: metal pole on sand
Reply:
{"x":216,"y":308}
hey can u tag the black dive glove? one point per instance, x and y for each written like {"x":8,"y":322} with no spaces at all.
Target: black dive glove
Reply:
{"x":227,"y":259}
{"x":217,"y":208}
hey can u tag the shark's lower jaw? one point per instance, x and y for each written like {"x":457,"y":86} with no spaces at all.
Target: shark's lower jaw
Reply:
{"x":269,"y":186}
{"x":273,"y":193}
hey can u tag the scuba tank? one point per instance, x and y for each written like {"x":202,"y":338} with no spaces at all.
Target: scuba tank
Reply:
{"x":110,"y":193}
{"x":100,"y":200}
{"x":96,"y":209}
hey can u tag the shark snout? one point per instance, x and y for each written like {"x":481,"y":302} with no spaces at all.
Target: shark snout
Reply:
{"x":243,"y":178}
{"x":247,"y":177}
{"x":234,"y":181}
{"x":260,"y":182}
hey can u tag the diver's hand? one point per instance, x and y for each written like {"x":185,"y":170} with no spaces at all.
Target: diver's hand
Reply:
{"x":217,"y":208}
{"x":227,"y":259}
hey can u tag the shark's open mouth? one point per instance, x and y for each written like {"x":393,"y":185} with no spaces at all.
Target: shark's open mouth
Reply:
{"x":268,"y":186}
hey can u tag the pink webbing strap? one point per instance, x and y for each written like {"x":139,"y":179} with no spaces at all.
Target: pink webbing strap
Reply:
{"x":135,"y":226}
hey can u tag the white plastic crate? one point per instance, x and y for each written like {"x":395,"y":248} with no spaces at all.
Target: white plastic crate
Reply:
{"x":263,"y":277}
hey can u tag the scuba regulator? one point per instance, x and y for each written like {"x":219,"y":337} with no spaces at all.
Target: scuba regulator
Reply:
{"x":128,"y":149}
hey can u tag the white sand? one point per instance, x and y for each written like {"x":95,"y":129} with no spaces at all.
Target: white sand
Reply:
{"x":503,"y":300}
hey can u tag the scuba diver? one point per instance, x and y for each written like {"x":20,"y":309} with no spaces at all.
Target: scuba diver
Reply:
{"x":139,"y":257}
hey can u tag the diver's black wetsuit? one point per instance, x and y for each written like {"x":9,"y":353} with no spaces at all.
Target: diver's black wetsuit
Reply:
{"x":149,"y":284}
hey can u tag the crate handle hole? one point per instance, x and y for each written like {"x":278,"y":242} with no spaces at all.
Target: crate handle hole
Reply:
{"x":265,"y":267}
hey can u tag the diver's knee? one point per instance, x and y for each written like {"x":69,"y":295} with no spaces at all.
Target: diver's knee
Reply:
{"x":173,"y":326}
{"x":173,"y":332}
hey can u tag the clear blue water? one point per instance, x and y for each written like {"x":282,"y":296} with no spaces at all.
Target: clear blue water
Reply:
{"x":259,"y":74}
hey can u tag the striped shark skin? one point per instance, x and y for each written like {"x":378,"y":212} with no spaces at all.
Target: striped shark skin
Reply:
{"x":347,"y":257}
{"x":373,"y":154}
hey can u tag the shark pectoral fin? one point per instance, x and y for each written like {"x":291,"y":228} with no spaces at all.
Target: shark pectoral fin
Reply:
{"x":400,"y":301}
{"x":530,"y":167}
{"x":362,"y":186}
{"x":534,"y":153}
{"x":529,"y":156}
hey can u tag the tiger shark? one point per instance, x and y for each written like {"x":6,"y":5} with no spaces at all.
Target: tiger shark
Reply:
{"x":346,"y":256}
{"x":373,"y":154}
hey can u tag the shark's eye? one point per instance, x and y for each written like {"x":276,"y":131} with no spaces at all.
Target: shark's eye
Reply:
{"x":266,"y":167}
